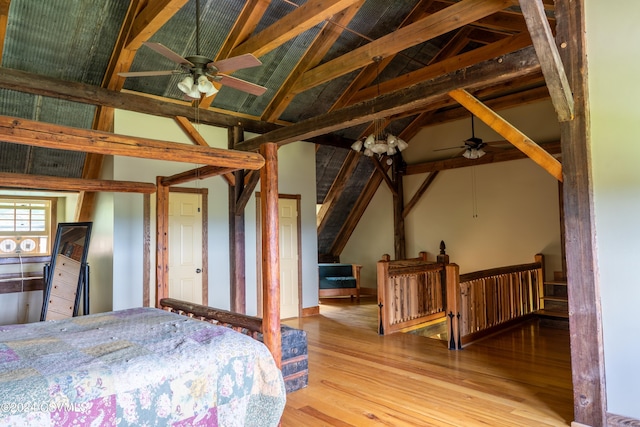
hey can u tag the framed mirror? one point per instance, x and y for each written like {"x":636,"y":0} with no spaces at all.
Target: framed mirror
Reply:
{"x":67,"y":275}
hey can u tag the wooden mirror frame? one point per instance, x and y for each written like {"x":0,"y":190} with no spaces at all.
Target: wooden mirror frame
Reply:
{"x":67,"y":243}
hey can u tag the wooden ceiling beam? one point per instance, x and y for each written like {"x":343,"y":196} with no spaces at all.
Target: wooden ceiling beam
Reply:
{"x":39,"y":134}
{"x":509,"y":132}
{"x":316,"y":52}
{"x":461,"y":162}
{"x":484,"y":74}
{"x":195,"y":174}
{"x":150,"y":19}
{"x":454,"y":16}
{"x":549,"y":57}
{"x":88,"y":94}
{"x":245,"y":24}
{"x":55,"y":183}
{"x":484,"y":53}
{"x":368,"y":74}
{"x":336,"y":189}
{"x":300,"y":20}
{"x":4,"y":19}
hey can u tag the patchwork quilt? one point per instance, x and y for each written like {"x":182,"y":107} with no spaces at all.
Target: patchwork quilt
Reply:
{"x":136,"y":367}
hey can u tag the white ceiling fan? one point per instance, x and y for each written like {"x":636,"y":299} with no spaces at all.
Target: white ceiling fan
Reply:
{"x":201,"y":71}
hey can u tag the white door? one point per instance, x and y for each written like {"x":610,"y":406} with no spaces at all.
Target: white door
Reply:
{"x":289,"y":258}
{"x":289,"y":298}
{"x":185,"y":247}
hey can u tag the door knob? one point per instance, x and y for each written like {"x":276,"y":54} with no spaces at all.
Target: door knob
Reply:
{"x":198,"y":270}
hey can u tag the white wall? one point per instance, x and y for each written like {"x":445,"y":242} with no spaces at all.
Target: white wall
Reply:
{"x":511,"y":216}
{"x":614,"y":67}
{"x":296,"y":163}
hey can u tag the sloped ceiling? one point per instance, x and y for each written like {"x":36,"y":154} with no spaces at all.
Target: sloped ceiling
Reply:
{"x":317,"y":56}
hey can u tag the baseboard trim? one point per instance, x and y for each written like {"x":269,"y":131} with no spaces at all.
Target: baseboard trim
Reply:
{"x":614,"y":420}
{"x":310,"y":311}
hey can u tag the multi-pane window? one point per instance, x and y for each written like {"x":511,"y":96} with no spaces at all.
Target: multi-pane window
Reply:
{"x":25,"y":226}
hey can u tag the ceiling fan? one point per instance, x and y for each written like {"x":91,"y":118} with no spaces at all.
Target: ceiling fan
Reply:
{"x":473,"y":146}
{"x":201,"y":71}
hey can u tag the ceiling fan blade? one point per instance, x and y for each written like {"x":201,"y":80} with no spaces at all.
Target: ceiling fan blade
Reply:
{"x":168,"y":53}
{"x":149,"y":73}
{"x":450,"y":148}
{"x":236,"y":63}
{"x":242,"y":85}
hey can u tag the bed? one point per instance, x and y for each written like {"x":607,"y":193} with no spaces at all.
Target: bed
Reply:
{"x":111,"y":368}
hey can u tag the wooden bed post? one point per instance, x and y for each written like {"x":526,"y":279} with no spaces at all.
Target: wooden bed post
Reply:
{"x":270,"y":250}
{"x":162,"y":240}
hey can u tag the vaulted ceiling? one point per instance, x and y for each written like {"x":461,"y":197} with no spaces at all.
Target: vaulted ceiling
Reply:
{"x":329,"y":68}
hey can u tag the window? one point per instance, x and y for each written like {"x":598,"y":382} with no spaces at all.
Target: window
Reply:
{"x":25,"y":227}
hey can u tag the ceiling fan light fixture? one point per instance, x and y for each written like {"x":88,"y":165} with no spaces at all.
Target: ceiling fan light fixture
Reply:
{"x":186,"y":85}
{"x":473,"y":153}
{"x":357,"y":146}
{"x":206,"y":87}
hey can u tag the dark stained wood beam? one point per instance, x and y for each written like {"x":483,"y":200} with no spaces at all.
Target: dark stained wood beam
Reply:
{"x":585,"y":319}
{"x":368,"y":74}
{"x":87,"y":94}
{"x":196,"y":174}
{"x":434,"y":25}
{"x":493,"y":72}
{"x":484,"y":53}
{"x":461,"y":162}
{"x":41,"y":182}
{"x":250,"y":183}
{"x":510,"y":132}
{"x":383,"y":173}
{"x":300,"y":20}
{"x":356,"y":213}
{"x":316,"y":52}
{"x":29,"y":132}
{"x":237,"y":247}
{"x":419,"y":193}
{"x":339,"y":183}
{"x":549,"y":57}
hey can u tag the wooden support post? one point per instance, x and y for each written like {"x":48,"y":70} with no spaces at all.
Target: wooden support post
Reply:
{"x":237,"y":249}
{"x":399,"y":241}
{"x":452,"y":307}
{"x":270,"y":250}
{"x":162,"y":241}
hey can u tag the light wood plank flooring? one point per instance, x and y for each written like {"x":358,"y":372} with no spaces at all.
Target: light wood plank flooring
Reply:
{"x":357,"y":378}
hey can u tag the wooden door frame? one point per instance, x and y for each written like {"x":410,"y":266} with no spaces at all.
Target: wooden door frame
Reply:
{"x":298,"y":199}
{"x":146,"y":257}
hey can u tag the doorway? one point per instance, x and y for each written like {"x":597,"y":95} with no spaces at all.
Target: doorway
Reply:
{"x":188,"y":253}
{"x":290,"y":255}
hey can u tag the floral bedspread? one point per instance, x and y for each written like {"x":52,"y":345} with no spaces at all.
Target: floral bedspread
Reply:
{"x":137,"y":367}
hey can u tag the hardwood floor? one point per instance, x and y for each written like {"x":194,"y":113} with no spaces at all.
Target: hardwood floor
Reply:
{"x":521,"y":377}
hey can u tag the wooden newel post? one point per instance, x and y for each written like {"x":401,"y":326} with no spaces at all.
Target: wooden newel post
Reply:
{"x":452,"y":306}
{"x":382,"y":271}
{"x":539,"y":258}
{"x":270,"y":251}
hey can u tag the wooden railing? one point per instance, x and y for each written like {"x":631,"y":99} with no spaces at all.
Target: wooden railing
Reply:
{"x":410,"y":292}
{"x":483,"y":301}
